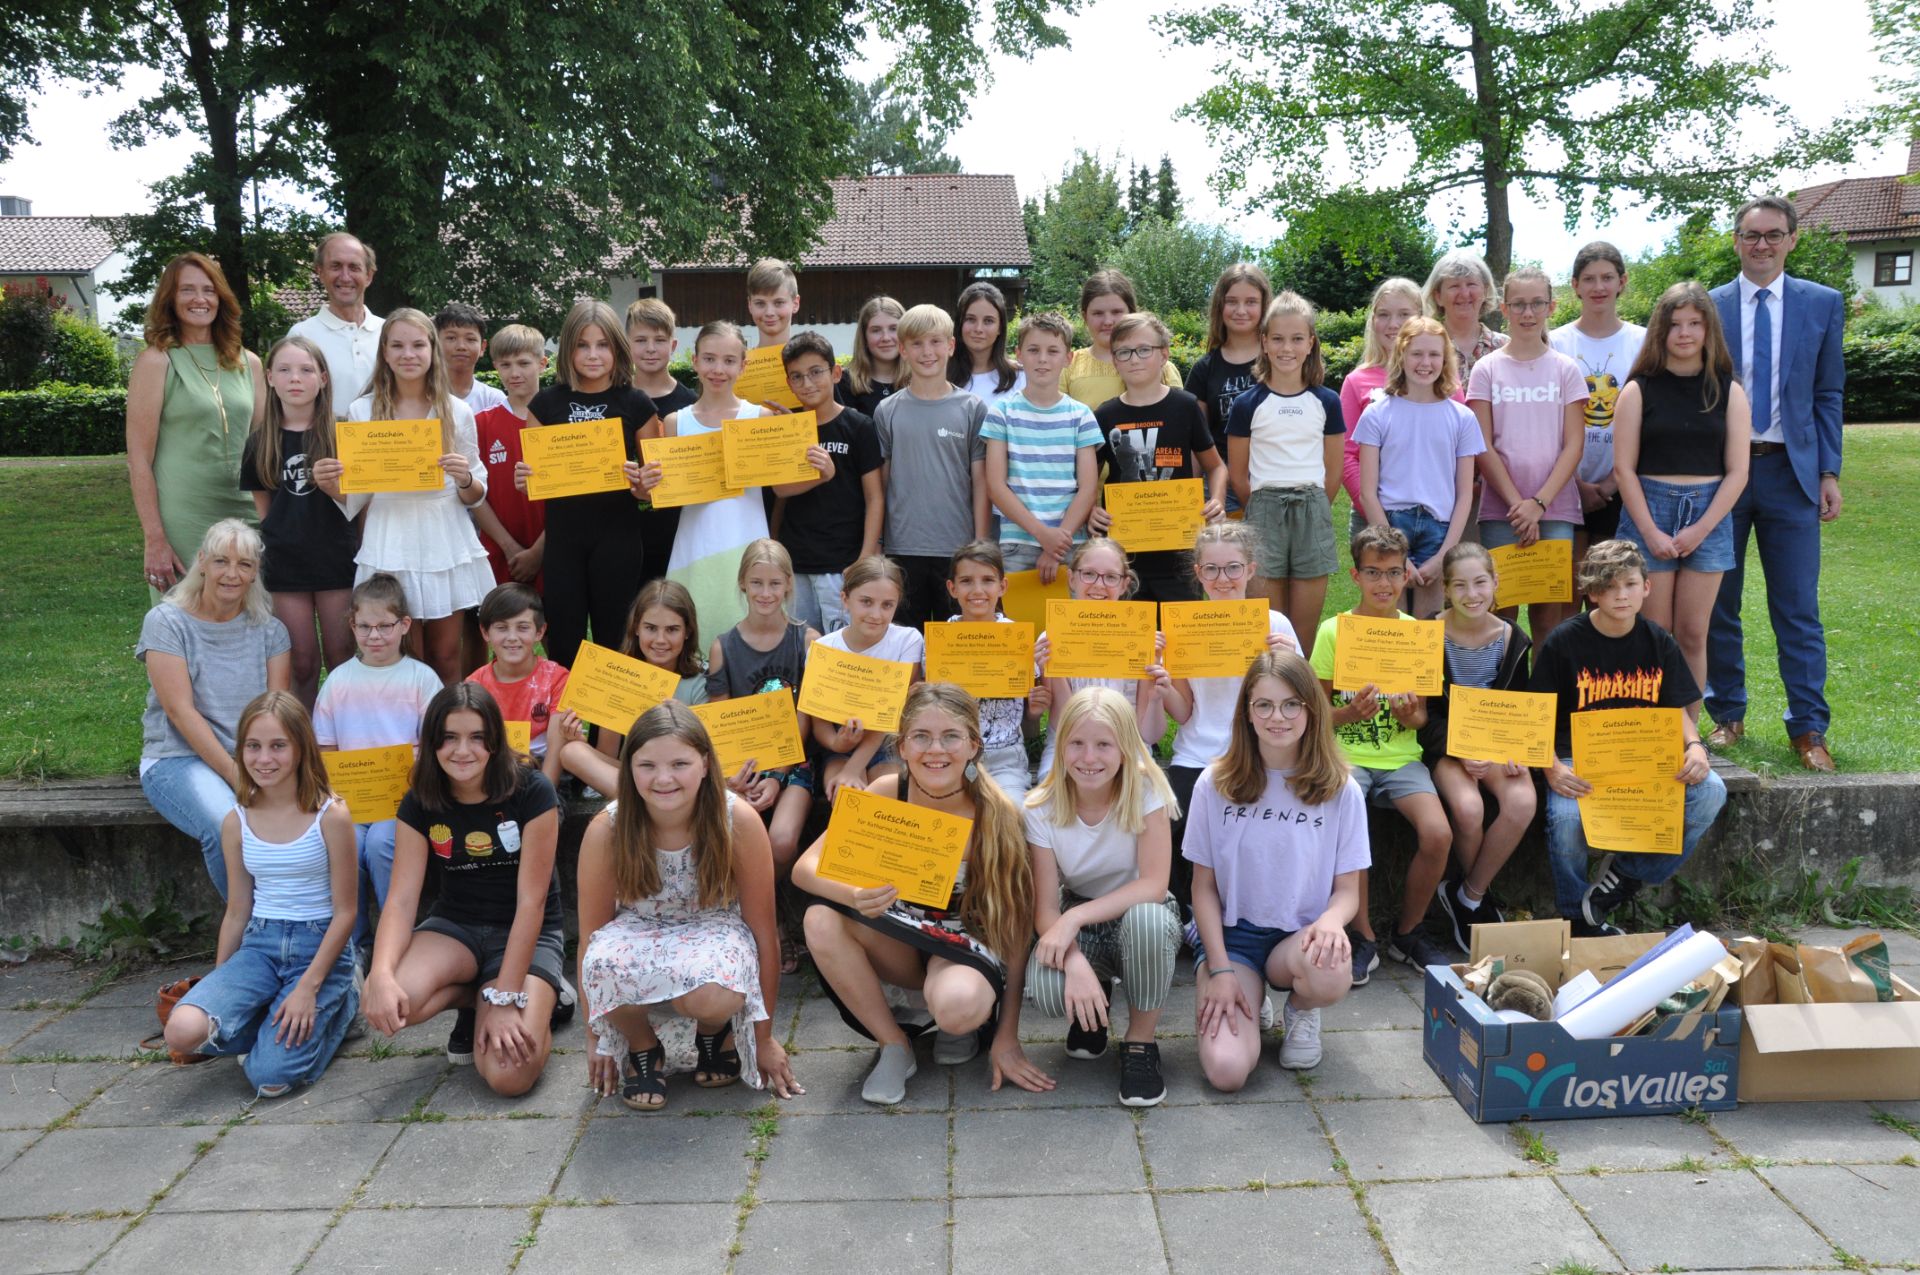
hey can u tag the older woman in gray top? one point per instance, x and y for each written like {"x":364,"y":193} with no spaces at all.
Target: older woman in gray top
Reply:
{"x":210,"y":645}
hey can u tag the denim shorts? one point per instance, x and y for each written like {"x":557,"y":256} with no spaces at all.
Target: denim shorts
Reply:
{"x":1675,"y":507}
{"x":488,"y":943}
{"x":1251,"y":944}
{"x":1498,"y":533}
{"x":1425,"y":533}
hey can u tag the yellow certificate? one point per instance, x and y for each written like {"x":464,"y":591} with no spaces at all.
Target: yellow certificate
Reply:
{"x":610,"y":689}
{"x":1630,"y":756}
{"x":1025,"y":600}
{"x":990,"y":661}
{"x":839,"y":686}
{"x":520,"y":737}
{"x":692,"y":470}
{"x":370,"y":780}
{"x":1539,"y":572}
{"x":1500,"y":726}
{"x":765,"y":378}
{"x":873,"y":841}
{"x":765,"y":450}
{"x":1394,"y":656}
{"x":574,"y":459}
{"x":758,"y":728}
{"x":1156,"y":515}
{"x":389,"y":456}
{"x":1213,"y":639}
{"x":1099,"y":639}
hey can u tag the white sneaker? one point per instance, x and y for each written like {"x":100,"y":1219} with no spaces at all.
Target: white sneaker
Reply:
{"x":1266,"y":1012}
{"x":1301,"y":1049}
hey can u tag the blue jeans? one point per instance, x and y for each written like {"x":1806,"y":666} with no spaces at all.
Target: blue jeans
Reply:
{"x":1568,"y":850}
{"x":188,"y":794}
{"x":816,"y":602}
{"x":242,"y":993}
{"x":1775,"y":510}
{"x":1425,"y":533}
{"x":374,"y":842}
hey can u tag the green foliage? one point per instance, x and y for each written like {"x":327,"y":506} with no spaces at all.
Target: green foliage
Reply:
{"x":158,"y":931}
{"x":83,"y":354}
{"x":1072,"y":230}
{"x":44,"y":41}
{"x":1173,"y":264}
{"x":1583,"y":106}
{"x":1341,"y":359}
{"x":28,"y":331}
{"x":890,"y":136}
{"x":1704,"y":252}
{"x":63,"y":420}
{"x":1752,"y":893}
{"x":1874,"y":317}
{"x":1336,"y":251}
{"x":1883,"y":377}
{"x":1896,"y":38}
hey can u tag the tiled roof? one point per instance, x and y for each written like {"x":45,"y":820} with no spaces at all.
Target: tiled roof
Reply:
{"x":1865,"y":209}
{"x":922,"y":219}
{"x":53,"y":245}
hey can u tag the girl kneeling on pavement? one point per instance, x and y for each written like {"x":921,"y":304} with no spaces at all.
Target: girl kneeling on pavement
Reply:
{"x":281,"y":992}
{"x":677,"y":921}
{"x":1277,"y":835}
{"x":1097,"y":827}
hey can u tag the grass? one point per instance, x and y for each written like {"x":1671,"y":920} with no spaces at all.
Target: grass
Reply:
{"x":71,"y":692}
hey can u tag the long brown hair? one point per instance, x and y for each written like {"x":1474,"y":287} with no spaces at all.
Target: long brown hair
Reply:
{"x":669,"y":595}
{"x":1238,"y":272}
{"x":860,"y":377}
{"x":636,"y":863}
{"x":1716,"y":360}
{"x":163,"y":325}
{"x":1291,"y":305}
{"x":385,"y":387}
{"x":592,"y":314}
{"x":309,"y":771}
{"x":267,"y":457}
{"x":504,"y":773}
{"x":997,"y":903}
{"x":1318,"y":771}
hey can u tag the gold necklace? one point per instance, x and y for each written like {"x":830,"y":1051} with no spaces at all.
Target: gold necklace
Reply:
{"x":213,"y":385}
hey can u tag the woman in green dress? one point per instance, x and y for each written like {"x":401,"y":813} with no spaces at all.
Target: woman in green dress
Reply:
{"x":191,"y":401}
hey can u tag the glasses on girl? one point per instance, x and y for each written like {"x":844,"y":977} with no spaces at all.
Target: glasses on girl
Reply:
{"x":1289,"y":709}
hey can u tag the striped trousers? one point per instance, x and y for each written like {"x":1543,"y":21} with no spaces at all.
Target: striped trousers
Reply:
{"x":1138,"y":948}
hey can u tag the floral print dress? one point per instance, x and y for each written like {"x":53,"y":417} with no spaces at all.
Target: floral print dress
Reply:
{"x":660,"y":948}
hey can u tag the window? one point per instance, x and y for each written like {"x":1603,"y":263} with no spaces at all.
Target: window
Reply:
{"x":1893,"y":269}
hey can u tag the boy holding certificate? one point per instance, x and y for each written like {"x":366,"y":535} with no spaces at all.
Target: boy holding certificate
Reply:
{"x":1610,"y":656}
{"x":1041,"y":472}
{"x":834,"y":521}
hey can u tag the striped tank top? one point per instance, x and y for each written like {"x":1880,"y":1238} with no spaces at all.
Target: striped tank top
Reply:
{"x":291,"y":881}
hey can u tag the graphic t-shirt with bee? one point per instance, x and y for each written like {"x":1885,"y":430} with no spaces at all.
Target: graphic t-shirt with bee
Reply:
{"x":473,"y":852}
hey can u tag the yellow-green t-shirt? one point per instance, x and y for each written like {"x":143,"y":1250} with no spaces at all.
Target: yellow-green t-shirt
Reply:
{"x":1379,"y":742}
{"x":1093,"y":380}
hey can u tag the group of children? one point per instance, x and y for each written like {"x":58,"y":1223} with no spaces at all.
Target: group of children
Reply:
{"x":962,"y":466}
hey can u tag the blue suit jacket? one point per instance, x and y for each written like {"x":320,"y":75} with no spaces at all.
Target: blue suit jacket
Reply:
{"x":1812,"y":373}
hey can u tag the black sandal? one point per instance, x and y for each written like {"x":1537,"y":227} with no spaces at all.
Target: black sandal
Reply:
{"x":645,"y":1081}
{"x":714,"y":1067}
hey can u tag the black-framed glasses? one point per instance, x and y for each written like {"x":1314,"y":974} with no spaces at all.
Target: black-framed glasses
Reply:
{"x":1775,"y":237}
{"x":1132,"y":352}
{"x":376,"y":630}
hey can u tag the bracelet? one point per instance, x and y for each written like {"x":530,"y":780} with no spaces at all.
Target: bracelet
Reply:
{"x":1695,"y":742}
{"x":1536,"y":500}
{"x":468,"y":483}
{"x":1215,"y":973}
{"x":494,"y":996}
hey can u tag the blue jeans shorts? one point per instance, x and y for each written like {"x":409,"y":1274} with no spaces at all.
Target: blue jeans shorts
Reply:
{"x":1251,"y":944}
{"x":1675,"y":507}
{"x":1425,"y":533}
{"x":1498,"y":533}
{"x":242,"y":993}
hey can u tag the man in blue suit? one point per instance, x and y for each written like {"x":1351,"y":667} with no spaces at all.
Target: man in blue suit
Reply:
{"x":1785,"y":337}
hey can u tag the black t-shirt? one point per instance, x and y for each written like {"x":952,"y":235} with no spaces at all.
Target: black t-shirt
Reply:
{"x":1589,"y":670}
{"x":601,"y":513}
{"x":310,"y":543}
{"x":1152,"y":444}
{"x":1216,"y":383}
{"x":668,"y":404}
{"x":822,"y":528}
{"x":866,"y":400}
{"x":474,"y":852}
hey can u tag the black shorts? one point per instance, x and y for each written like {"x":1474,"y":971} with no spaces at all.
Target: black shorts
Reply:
{"x":488,"y":943}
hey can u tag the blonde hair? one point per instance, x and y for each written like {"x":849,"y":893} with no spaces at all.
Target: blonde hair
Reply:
{"x":926,"y":320}
{"x":770,"y":274}
{"x":1420,"y":325}
{"x":267,"y":455}
{"x":592,"y":314}
{"x":1461,"y":263}
{"x":1139,"y":777}
{"x":1092,"y":543}
{"x":860,"y":377}
{"x":650,"y":312}
{"x":1605,"y":563}
{"x":1291,"y":305}
{"x":1319,"y":769}
{"x":241,"y":537}
{"x":1373,"y":351}
{"x":309,"y":772}
{"x":1237,"y":535}
{"x":997,"y":903}
{"x":769,"y":552}
{"x":873,"y":567}
{"x":517,"y":338}
{"x":1238,"y":272}
{"x":1051,"y":322}
{"x":720,"y":327}
{"x":636,"y":859}
{"x":384,"y":389}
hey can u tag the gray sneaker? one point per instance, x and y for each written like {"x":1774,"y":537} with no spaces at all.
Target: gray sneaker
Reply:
{"x":887,"y":1083}
{"x":950,"y":1050}
{"x":1301,"y":1049}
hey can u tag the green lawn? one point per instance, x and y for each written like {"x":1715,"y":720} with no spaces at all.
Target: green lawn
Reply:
{"x":70,"y":608}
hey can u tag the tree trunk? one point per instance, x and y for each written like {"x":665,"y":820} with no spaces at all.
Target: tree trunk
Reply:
{"x":222,"y":115}
{"x":1489,"y":126}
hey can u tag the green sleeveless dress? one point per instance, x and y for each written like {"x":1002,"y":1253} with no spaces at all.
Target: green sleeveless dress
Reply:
{"x":205,"y":412}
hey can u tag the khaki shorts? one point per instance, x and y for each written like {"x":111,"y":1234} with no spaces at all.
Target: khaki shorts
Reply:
{"x":1294,"y":529}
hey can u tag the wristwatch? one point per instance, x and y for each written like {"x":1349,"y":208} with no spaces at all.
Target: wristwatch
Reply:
{"x":494,"y":996}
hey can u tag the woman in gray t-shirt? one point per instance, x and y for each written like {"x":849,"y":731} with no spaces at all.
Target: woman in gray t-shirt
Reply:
{"x":210,"y":646}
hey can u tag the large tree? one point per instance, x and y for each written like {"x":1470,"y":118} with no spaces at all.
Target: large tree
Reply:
{"x":1578,"y":102}
{"x":1336,"y":251}
{"x":40,"y":42}
{"x":1072,"y":230}
{"x":1896,"y":35}
{"x":891,"y":136}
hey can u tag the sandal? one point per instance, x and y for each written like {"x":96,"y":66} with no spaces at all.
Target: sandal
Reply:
{"x":789,"y":956}
{"x":645,"y":1089}
{"x":714,"y":1067}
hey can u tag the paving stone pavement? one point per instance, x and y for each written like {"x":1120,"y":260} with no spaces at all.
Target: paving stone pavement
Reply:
{"x":113,"y":1161}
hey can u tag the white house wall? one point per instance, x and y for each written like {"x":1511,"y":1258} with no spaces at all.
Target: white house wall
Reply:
{"x":1863,"y":258}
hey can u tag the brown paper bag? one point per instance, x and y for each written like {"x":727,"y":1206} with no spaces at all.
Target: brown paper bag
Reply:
{"x":1832,"y":979}
{"x":1789,"y":984}
{"x":1869,"y":956}
{"x":1756,"y":985}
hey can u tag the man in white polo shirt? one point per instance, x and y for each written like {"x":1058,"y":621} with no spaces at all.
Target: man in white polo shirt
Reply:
{"x":345,"y":330}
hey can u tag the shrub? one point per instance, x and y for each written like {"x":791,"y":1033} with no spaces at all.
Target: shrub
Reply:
{"x":28,"y":331}
{"x":83,"y":354}
{"x":1883,"y":377}
{"x":1341,"y":358}
{"x":63,"y":420}
{"x":1337,"y":327}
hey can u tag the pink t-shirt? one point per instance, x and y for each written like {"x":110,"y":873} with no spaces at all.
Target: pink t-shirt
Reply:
{"x":1529,"y":401}
{"x":1361,"y":387}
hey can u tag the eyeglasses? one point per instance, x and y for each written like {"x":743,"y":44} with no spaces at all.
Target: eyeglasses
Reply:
{"x":951,"y":741}
{"x":376,"y":630}
{"x":1133,"y":352}
{"x":808,"y":378}
{"x":1108,"y":578}
{"x":1762,"y":236}
{"x":1528,"y":307}
{"x":1289,"y":709}
{"x":1373,"y":575}
{"x":1215,"y":570}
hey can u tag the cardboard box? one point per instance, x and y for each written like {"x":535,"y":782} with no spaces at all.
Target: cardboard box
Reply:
{"x":1535,"y":1071}
{"x":1822,"y":1053}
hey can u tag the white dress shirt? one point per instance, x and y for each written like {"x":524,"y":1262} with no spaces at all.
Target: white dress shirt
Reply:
{"x":1767,"y":431}
{"x":351,"y":350}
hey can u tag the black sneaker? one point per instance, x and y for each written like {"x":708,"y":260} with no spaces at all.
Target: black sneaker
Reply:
{"x":460,"y":1039}
{"x":1613,"y":890}
{"x":1141,"y":1084}
{"x":1366,"y":957}
{"x":1416,"y":949}
{"x":1082,"y":1043}
{"x":1463,"y":918}
{"x":563,"y":1004}
{"x":1579,"y":928}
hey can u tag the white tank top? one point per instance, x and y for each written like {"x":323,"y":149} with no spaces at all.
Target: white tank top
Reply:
{"x":291,"y":880}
